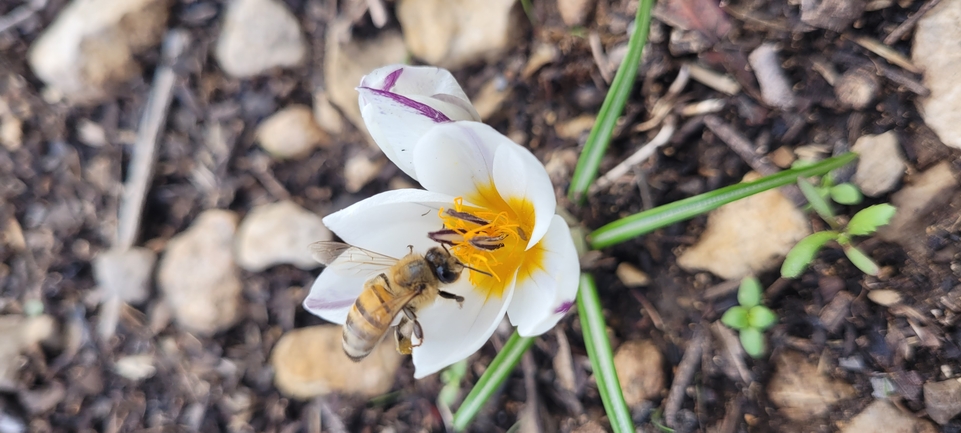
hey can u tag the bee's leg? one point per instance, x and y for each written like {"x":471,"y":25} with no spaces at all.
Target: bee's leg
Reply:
{"x":411,"y":247}
{"x":383,"y":278}
{"x":418,"y":332}
{"x":449,"y":295}
{"x":402,"y":336}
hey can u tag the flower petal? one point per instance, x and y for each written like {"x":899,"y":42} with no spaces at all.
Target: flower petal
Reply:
{"x":458,"y":158}
{"x":451,"y":333}
{"x":332,"y":295}
{"x":420,"y":82}
{"x":545,"y":291}
{"x":523,"y":182}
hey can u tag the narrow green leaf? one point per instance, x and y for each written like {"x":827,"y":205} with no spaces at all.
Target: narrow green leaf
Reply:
{"x":586,"y":170}
{"x":735,"y":317}
{"x":861,"y":260}
{"x":752,"y":340}
{"x":761,"y":317}
{"x":846,"y":193}
{"x":497,"y":372}
{"x":820,"y":205}
{"x":803,"y":253}
{"x":662,"y":216}
{"x":869,"y":219}
{"x":602,"y":360}
{"x":749,"y":294}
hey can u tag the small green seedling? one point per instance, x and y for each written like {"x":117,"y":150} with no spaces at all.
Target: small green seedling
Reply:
{"x":845,"y":193}
{"x":864,"y":223}
{"x":750,"y":318}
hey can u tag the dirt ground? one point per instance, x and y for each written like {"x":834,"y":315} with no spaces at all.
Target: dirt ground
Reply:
{"x":223,"y":383}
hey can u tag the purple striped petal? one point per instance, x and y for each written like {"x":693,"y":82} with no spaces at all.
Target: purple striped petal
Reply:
{"x":421,"y":108}
{"x":391,"y":79}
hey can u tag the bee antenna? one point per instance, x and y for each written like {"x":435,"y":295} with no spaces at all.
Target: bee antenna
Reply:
{"x":479,"y":271}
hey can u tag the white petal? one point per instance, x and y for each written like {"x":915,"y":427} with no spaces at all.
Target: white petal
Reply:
{"x":451,"y":333}
{"x":421,"y":81}
{"x":457,"y":158}
{"x":390,"y":221}
{"x":518,"y":174}
{"x":332,"y":295}
{"x":545,"y":293}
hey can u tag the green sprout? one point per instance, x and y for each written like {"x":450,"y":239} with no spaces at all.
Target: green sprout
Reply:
{"x":863,"y":223}
{"x":750,"y":318}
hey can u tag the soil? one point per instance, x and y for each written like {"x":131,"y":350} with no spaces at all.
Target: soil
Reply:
{"x":223,"y":383}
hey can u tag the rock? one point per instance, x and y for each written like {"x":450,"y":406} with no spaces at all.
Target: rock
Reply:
{"x":883,"y":417}
{"x":16,"y":334}
{"x":198,"y":277}
{"x":491,"y":97}
{"x":800,"y":391}
{"x":279,"y":233}
{"x":880,"y":164}
{"x":590,"y":427}
{"x":776,"y":90}
{"x":640,"y":371}
{"x":836,"y":15}
{"x":125,"y":274}
{"x":309,"y":362}
{"x":631,"y":276}
{"x":748,"y":236}
{"x":11,"y":132}
{"x":259,"y":35}
{"x":452,"y":34}
{"x":940,"y":61}
{"x":942,"y":400}
{"x":136,"y":367}
{"x":574,"y":12}
{"x":326,"y":115}
{"x":346,"y":63}
{"x":857,"y":88}
{"x":925,"y":192}
{"x":574,"y":128}
{"x":885,"y":297}
{"x":359,"y":171}
{"x":89,"y":48}
{"x":291,"y":133}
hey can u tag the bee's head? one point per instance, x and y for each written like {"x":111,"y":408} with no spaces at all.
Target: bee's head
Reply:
{"x":445,"y":266}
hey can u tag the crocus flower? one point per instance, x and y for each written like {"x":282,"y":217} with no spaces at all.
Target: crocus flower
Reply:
{"x":489,"y":200}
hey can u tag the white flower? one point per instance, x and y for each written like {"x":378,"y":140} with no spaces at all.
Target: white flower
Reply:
{"x":488,"y":197}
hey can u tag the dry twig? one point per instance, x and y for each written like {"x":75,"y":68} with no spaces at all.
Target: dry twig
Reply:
{"x":663,"y":137}
{"x":684,"y":375}
{"x":909,"y":23}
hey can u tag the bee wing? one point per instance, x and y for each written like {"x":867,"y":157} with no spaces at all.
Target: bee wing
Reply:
{"x":350,"y":260}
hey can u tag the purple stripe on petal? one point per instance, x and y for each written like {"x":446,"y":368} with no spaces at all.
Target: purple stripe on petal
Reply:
{"x":565,"y":307}
{"x":317,"y":304}
{"x":422,"y":108}
{"x":392,"y":79}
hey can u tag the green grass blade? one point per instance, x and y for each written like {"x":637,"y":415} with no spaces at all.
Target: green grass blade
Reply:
{"x":645,"y":222}
{"x":587,"y":165}
{"x":495,"y":375}
{"x":602,"y":360}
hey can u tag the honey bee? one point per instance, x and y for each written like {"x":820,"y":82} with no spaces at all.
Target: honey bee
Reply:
{"x":402,"y":285}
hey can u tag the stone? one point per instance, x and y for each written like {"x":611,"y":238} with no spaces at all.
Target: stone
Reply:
{"x":640,"y":371}
{"x":125,"y":273}
{"x":453,"y":34}
{"x":748,"y":236}
{"x":291,"y":133}
{"x":198,"y":277}
{"x":942,"y":400}
{"x":491,"y":97}
{"x":926,"y":191}
{"x":359,"y":171}
{"x":776,"y":90}
{"x":800,"y":391}
{"x":880,"y":163}
{"x":16,"y":334}
{"x":259,"y":35}
{"x":884,"y":417}
{"x":11,"y":132}
{"x":574,"y":12}
{"x":136,"y":367}
{"x":857,"y":88}
{"x":278,"y":233}
{"x":940,"y":61}
{"x":326,"y":116}
{"x":575,"y":128}
{"x":631,"y":276}
{"x":310,"y":362}
{"x":836,"y":15}
{"x":89,"y":48}
{"x":885,"y":297}
{"x":345,"y":63}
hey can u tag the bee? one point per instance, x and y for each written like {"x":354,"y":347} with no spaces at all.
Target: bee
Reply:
{"x":398,"y":286}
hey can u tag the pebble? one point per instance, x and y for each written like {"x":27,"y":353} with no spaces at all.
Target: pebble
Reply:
{"x":640,"y":371}
{"x":574,"y":12}
{"x":885,"y":297}
{"x":326,"y":116}
{"x":11,"y":132}
{"x":800,"y":391}
{"x":880,"y":163}
{"x":346,"y":63}
{"x":857,"y":88}
{"x":748,"y":236}
{"x":19,"y":333}
{"x":940,"y":61}
{"x":359,"y":171}
{"x":836,"y":15}
{"x":491,"y":97}
{"x":631,"y":276}
{"x":259,"y":35}
{"x":455,"y":34}
{"x":914,"y":202}
{"x":136,"y":367}
{"x":882,"y":416}
{"x":310,"y":362}
{"x":291,"y":133}
{"x":278,"y":233}
{"x":942,"y":400}
{"x":90,"y":46}
{"x":125,"y":273}
{"x":776,"y":90}
{"x":198,"y":277}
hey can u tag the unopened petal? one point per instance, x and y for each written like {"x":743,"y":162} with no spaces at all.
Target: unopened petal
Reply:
{"x":332,"y":295}
{"x":458,"y":158}
{"x":522,"y":181}
{"x":545,"y":291}
{"x":452,"y":333}
{"x":419,"y":82}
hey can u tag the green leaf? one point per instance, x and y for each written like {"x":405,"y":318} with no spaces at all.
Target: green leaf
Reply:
{"x":820,"y":205}
{"x":735,"y":317}
{"x":662,"y":216}
{"x":861,"y":260}
{"x":497,"y":372}
{"x":752,"y":340}
{"x":870,"y":218}
{"x":761,"y":317}
{"x":749,"y":294}
{"x":586,"y":170}
{"x":846,"y":193}
{"x":602,"y":360}
{"x":803,"y":253}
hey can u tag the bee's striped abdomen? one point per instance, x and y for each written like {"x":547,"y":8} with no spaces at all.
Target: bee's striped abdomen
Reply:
{"x":368,"y":320}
